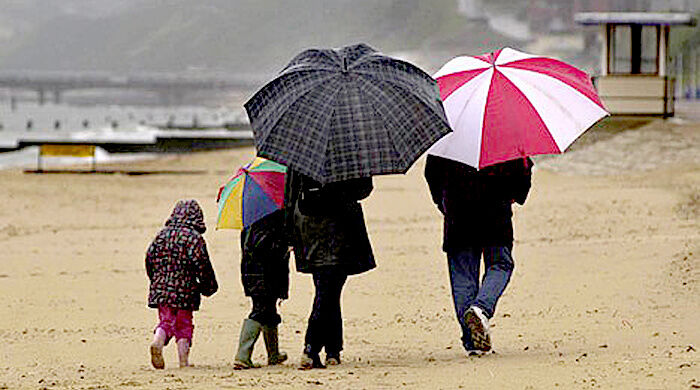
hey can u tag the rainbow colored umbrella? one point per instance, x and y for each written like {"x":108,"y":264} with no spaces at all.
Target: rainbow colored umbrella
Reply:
{"x":256,"y":190}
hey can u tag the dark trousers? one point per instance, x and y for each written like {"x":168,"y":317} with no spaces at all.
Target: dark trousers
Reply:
{"x":265,"y":311}
{"x":325,"y":328}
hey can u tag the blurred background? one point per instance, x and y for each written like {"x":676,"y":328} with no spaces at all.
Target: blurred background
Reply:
{"x":133,"y":65}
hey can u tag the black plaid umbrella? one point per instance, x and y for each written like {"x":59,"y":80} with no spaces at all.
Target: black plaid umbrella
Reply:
{"x":336,"y":114}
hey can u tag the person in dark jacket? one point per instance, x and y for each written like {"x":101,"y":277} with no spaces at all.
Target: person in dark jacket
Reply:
{"x":327,"y":231}
{"x":179,"y":270}
{"x":265,"y":277}
{"x":476,"y":206}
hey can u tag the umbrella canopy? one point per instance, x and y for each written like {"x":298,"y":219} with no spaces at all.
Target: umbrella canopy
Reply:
{"x":336,"y":114}
{"x":256,"y":190}
{"x":507,"y":104}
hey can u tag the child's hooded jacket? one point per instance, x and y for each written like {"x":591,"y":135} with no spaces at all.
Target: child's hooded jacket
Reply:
{"x":177,"y":261}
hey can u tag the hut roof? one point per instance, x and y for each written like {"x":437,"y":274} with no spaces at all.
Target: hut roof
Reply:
{"x":645,"y":18}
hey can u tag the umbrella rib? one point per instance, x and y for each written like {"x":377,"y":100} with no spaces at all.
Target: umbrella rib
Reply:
{"x":304,"y":68}
{"x":297,"y":98}
{"x":489,"y":74}
{"x":570,"y":114}
{"x":330,"y":99}
{"x":427,"y":143}
{"x":544,"y":92}
{"x":301,"y":61}
{"x":393,"y":146}
{"x":425,"y":98}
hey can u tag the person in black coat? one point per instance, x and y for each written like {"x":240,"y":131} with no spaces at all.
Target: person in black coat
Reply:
{"x":265,"y":277}
{"x":476,"y":206}
{"x":327,"y":230}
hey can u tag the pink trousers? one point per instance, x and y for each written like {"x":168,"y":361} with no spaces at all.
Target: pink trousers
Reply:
{"x":175,"y":323}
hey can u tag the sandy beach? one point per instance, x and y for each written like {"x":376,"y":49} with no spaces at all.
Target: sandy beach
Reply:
{"x":605,"y":292}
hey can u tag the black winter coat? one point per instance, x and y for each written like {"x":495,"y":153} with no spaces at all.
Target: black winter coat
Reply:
{"x":265,"y":260}
{"x":325,"y":224}
{"x":477,"y":204}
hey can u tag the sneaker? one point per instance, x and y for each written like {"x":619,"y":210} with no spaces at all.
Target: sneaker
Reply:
{"x":332,"y":360}
{"x":310,"y":361}
{"x":478,"y":325}
{"x":157,"y":357}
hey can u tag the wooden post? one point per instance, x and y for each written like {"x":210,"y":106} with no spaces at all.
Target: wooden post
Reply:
{"x":605,"y":56}
{"x":692,"y":76}
{"x":636,"y":56}
{"x":39,"y":168}
{"x":679,"y":75}
{"x":663,"y":50}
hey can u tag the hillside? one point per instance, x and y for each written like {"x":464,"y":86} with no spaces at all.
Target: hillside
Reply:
{"x":243,"y":36}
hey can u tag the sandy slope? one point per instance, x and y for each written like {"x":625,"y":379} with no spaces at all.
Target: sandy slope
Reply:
{"x":605,"y":293}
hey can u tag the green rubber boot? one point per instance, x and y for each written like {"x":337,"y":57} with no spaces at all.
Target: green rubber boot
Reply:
{"x":249,"y":335}
{"x":274,"y":356}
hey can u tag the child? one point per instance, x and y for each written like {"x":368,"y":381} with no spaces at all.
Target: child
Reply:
{"x":178,"y":266}
{"x":265,"y":277}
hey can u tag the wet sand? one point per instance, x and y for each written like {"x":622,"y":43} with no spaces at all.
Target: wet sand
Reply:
{"x":604,"y":295}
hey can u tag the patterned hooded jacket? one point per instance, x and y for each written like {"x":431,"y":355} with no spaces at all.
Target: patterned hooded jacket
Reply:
{"x":177,"y":261}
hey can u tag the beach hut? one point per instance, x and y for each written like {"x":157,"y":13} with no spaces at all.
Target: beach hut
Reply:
{"x":635,"y":77}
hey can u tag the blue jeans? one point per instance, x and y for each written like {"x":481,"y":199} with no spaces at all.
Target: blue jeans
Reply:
{"x":464,"y":267}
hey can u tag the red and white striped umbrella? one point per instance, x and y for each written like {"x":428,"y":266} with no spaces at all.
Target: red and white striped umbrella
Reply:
{"x":508,"y":104}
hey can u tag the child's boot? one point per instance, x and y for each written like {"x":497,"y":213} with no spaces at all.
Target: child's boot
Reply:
{"x":183,"y":352}
{"x":249,"y":335}
{"x":157,"y":349}
{"x":274,"y":356}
